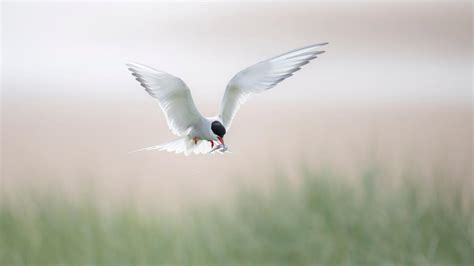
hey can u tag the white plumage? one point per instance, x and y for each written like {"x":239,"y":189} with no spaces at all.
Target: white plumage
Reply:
{"x":183,"y":118}
{"x":173,"y":96}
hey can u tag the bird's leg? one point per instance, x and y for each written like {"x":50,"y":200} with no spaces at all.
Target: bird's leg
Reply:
{"x":212,"y":143}
{"x":195,"y":139}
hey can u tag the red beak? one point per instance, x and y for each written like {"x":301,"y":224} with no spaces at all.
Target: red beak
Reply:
{"x":221,"y":140}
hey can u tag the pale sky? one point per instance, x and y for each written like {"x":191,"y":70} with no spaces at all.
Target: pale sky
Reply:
{"x":378,"y":53}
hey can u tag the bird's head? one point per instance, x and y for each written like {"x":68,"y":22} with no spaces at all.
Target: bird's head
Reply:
{"x":219,"y":130}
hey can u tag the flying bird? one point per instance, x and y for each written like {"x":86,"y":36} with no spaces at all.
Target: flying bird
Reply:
{"x":198,"y":134}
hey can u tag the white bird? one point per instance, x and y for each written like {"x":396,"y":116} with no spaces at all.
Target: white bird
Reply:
{"x":198,"y":133}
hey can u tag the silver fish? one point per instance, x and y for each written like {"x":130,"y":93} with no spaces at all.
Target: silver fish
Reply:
{"x":220,"y":148}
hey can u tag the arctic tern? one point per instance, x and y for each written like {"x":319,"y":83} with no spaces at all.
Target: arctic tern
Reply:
{"x":197,"y":133}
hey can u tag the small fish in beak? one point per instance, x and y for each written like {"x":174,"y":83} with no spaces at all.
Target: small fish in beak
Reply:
{"x":220,"y":148}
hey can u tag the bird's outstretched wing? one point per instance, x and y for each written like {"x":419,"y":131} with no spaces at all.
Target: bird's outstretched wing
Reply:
{"x":261,"y":77}
{"x":173,"y":96}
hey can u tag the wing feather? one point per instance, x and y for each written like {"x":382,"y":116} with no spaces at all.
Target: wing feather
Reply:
{"x":172,"y":94}
{"x":261,"y":77}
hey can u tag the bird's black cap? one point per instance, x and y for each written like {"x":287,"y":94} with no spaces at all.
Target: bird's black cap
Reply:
{"x":218,"y":128}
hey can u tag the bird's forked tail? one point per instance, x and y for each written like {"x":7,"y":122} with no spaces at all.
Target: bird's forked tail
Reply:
{"x":184,"y":145}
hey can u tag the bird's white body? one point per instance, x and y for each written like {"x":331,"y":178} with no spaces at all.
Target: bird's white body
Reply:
{"x":198,"y":133}
{"x":201,"y":132}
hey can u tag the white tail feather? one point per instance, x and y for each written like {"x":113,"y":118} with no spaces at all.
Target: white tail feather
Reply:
{"x":182,"y":145}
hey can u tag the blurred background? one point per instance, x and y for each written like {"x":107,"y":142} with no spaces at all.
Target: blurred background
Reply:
{"x":394,"y":89}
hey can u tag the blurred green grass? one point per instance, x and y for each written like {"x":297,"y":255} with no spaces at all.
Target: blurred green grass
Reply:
{"x":320,"y":221}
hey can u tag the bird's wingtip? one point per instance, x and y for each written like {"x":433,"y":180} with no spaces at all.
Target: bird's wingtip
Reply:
{"x":130,"y":63}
